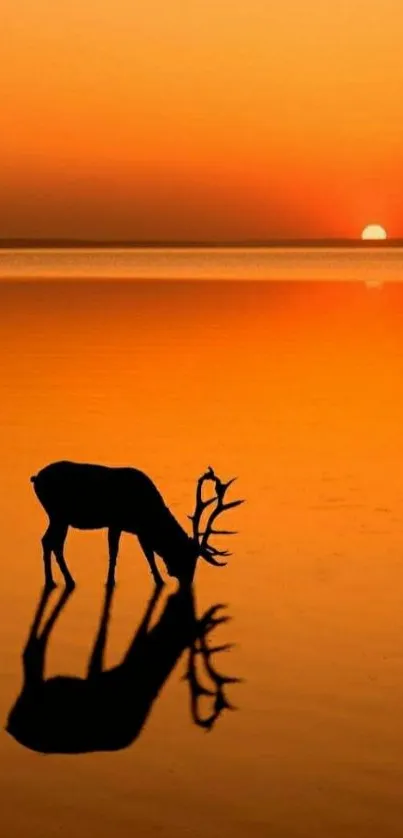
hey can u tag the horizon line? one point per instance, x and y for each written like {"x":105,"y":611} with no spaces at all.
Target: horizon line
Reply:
{"x":19,"y":242}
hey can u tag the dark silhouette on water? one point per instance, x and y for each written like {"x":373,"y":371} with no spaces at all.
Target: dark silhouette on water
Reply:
{"x":107,"y":710}
{"x":90,"y":497}
{"x":125,"y":500}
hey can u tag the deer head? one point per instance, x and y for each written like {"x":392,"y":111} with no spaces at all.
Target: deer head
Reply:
{"x":203,"y":532}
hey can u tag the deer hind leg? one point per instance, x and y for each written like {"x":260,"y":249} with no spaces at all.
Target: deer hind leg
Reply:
{"x":149,"y":554}
{"x":47,"y":544}
{"x":53,"y":541}
{"x":113,"y":543}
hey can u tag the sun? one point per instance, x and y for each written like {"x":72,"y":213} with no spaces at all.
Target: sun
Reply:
{"x":374,"y":232}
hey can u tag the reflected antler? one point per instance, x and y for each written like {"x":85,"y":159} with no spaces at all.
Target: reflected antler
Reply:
{"x":205,"y":549}
{"x":200,"y":648}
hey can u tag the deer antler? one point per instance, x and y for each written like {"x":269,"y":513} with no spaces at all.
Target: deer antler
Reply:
{"x":205,"y":549}
{"x":200,"y":647}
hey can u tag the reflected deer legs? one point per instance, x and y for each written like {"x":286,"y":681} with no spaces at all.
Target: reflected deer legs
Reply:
{"x":96,"y":661}
{"x":35,"y":647}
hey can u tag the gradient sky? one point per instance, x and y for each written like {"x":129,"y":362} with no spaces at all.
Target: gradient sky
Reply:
{"x":201,"y":119}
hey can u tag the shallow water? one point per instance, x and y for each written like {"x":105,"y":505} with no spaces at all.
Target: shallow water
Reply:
{"x":371,"y":265}
{"x":296,"y":388}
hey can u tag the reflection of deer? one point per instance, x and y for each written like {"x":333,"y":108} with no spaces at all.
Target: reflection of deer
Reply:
{"x":124,"y":500}
{"x":107,"y":710}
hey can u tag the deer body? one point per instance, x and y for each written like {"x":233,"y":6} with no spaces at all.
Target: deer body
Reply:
{"x":88,"y":497}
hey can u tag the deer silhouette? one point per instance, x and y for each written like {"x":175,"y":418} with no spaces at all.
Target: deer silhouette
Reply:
{"x":107,"y":710}
{"x":89,"y":497}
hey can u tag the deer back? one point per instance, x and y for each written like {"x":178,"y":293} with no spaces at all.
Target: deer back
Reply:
{"x":90,"y":496}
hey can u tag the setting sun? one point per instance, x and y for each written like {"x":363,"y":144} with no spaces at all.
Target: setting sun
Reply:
{"x":374,"y":232}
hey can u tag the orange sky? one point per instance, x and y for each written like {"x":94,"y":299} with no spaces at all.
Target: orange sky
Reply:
{"x":201,"y":119}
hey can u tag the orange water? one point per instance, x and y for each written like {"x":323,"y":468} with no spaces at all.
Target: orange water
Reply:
{"x":297,"y":389}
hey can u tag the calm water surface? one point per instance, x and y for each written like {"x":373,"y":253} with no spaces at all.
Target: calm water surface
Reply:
{"x":296,"y":387}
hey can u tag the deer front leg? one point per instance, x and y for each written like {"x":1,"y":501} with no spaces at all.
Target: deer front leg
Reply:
{"x":149,"y":554}
{"x":113,"y":544}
